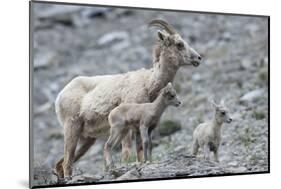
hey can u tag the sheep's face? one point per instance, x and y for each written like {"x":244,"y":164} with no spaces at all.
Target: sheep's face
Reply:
{"x":180,"y":49}
{"x":222,"y":113}
{"x":170,"y":96}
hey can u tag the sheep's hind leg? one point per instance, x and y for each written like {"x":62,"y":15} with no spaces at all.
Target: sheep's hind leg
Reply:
{"x":206,"y":152}
{"x":85,"y":145}
{"x":72,"y":133}
{"x":59,"y":168}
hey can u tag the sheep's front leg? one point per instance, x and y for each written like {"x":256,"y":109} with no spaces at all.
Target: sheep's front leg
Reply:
{"x":145,"y":140}
{"x":216,"y":155}
{"x":195,"y":147}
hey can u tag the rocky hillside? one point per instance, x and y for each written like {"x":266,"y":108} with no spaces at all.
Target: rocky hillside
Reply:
{"x":70,"y":40}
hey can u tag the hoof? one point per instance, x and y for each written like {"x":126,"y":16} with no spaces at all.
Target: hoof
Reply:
{"x":66,"y":179}
{"x":109,"y":167}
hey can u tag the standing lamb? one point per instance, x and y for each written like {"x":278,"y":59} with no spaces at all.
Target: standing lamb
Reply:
{"x":84,"y":104}
{"x":139,"y":117}
{"x":207,"y":135}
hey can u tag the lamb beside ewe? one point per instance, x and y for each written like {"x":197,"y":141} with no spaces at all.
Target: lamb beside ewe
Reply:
{"x":140,"y":117}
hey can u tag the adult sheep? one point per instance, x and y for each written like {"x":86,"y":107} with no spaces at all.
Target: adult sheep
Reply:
{"x":84,"y":104}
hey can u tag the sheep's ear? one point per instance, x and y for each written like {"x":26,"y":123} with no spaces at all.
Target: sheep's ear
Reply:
{"x":161,"y":35}
{"x":164,"y":37}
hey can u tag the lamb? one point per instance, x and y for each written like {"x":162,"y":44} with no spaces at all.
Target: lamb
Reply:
{"x":143,"y":117}
{"x":84,"y":104}
{"x":207,"y":136}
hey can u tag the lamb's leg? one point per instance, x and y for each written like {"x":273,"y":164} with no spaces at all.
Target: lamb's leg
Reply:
{"x":150,"y":144}
{"x":206,"y":152}
{"x":116,"y":136}
{"x":195,"y":147}
{"x":127,"y":146}
{"x":108,"y":148}
{"x":145,"y":140}
{"x":71,"y":135}
{"x":139,"y":149}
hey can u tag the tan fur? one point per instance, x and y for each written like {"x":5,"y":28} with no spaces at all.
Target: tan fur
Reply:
{"x":141,"y":118}
{"x":82,"y":107}
{"x":208,"y":135}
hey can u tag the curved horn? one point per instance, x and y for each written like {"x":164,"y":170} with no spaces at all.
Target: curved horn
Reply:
{"x":164,"y":25}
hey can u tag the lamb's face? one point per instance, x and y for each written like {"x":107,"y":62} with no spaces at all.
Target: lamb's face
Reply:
{"x":222,"y":114}
{"x":170,"y":96}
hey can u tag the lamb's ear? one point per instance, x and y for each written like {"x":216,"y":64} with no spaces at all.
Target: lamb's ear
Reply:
{"x":168,"y":88}
{"x":212,"y":101}
{"x":169,"y":85}
{"x":222,"y":102}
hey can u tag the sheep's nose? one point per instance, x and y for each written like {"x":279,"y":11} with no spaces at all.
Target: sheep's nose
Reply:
{"x":178,"y":104}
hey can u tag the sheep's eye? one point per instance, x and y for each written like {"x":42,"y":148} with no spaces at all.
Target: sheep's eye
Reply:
{"x":222,"y":112}
{"x":180,"y":46}
{"x":172,"y":96}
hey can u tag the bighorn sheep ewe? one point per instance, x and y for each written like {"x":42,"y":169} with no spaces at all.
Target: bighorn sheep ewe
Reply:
{"x":140,"y":117}
{"x":207,"y":135}
{"x":84,"y":104}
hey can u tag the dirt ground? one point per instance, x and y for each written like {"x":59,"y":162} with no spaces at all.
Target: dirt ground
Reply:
{"x":69,"y":41}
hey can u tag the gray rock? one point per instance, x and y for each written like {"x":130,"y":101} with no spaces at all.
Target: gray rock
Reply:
{"x":252,"y":95}
{"x":130,"y":175}
{"x":85,"y":178}
{"x":113,"y":37}
{"x":44,"y":59}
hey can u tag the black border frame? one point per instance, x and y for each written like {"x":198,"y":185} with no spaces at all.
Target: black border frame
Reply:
{"x":139,"y":180}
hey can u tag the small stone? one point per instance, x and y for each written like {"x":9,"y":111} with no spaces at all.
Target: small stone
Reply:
{"x":238,"y":169}
{"x":246,"y":64}
{"x":233,"y":163}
